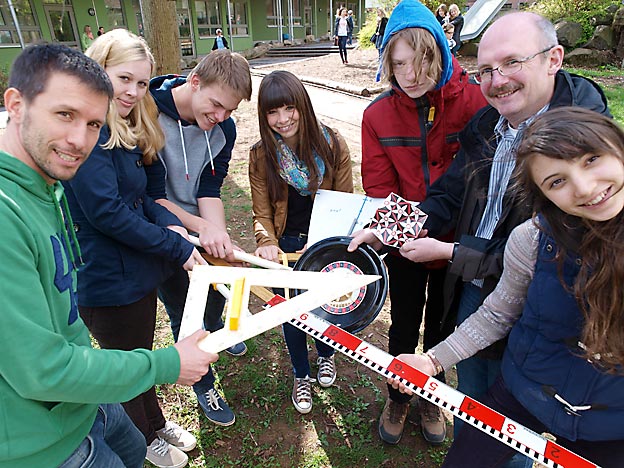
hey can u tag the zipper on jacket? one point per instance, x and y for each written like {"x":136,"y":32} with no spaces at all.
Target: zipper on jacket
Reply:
{"x":425,"y":120}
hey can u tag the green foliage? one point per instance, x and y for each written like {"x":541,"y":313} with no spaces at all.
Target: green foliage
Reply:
{"x":4,"y":83}
{"x":614,"y":91}
{"x":580,"y":11}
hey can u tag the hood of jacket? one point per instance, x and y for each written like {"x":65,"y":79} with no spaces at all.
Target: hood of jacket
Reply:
{"x":160,"y":89}
{"x":413,"y":14}
{"x":27,"y":179}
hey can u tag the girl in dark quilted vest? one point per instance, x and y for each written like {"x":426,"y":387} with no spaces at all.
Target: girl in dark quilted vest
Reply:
{"x":560,"y":299}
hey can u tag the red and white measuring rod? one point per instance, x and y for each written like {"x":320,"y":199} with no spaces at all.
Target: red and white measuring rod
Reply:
{"x":489,"y":421}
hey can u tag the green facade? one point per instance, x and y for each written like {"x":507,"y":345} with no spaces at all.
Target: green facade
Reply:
{"x":252,"y":21}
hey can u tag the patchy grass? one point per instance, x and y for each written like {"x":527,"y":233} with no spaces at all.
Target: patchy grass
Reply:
{"x":611,"y":79}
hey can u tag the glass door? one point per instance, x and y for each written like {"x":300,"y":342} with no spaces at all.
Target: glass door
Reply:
{"x":62,"y":24}
{"x":186,"y":31}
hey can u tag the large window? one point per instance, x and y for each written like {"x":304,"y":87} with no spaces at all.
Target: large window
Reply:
{"x":25,"y":18}
{"x":272,"y":13}
{"x":239,"y":19}
{"x":208,"y":18}
{"x":296,"y":11}
{"x":114,"y":11}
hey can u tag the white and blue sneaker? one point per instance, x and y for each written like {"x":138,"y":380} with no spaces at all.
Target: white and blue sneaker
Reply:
{"x":237,"y":350}
{"x":215,"y":408}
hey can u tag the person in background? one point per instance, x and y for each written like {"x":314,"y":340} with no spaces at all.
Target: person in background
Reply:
{"x":100,"y":31}
{"x":58,"y":393}
{"x":220,"y":41}
{"x":352,"y":24}
{"x":129,"y":242}
{"x":342,"y":29}
{"x":449,"y":31}
{"x":441,"y":14}
{"x":382,"y":20}
{"x":296,"y":156}
{"x":457,"y":20}
{"x":562,"y":371}
{"x":438,"y":99}
{"x":187,"y":178}
{"x":87,"y":37}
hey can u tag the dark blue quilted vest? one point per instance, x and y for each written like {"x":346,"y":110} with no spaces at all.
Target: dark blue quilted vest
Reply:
{"x":542,"y":366}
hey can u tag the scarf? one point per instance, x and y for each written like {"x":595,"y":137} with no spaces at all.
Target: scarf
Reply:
{"x":295,"y":172}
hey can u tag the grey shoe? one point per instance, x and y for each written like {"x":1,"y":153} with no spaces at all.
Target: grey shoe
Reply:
{"x":327,"y":371}
{"x":164,"y":455}
{"x":302,"y":395}
{"x":178,"y":437}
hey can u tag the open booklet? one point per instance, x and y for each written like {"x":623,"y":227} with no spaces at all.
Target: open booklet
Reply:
{"x":340,"y":214}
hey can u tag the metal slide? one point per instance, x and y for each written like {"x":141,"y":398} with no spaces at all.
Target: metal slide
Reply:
{"x":478,"y":17}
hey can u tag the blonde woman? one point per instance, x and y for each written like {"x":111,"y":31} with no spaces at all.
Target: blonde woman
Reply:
{"x":130,"y":243}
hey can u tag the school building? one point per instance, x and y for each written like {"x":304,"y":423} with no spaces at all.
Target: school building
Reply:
{"x":244,"y":23}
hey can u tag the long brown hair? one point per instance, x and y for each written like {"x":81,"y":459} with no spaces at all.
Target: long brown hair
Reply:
{"x":282,"y":88}
{"x":568,"y":133}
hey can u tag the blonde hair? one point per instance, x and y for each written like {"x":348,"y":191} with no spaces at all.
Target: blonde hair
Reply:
{"x":225,"y":68}
{"x":141,"y":127}
{"x":425,"y":47}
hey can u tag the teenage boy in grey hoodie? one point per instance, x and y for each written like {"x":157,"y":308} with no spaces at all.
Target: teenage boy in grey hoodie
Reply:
{"x":187,"y":178}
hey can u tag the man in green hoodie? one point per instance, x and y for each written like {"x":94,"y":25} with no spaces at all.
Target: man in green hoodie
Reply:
{"x":58,"y":395}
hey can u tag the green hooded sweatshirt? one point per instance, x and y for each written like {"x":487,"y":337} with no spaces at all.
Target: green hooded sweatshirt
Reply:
{"x":51,"y":379}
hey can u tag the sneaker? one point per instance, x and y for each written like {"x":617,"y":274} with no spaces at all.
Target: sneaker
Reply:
{"x":327,"y":371}
{"x":302,"y":395}
{"x":392,"y":421}
{"x":178,"y":437}
{"x":164,"y":455}
{"x":215,"y":408}
{"x":237,"y":350}
{"x":432,"y":423}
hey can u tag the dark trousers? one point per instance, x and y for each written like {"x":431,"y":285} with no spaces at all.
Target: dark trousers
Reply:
{"x":130,"y":327}
{"x":413,"y":289}
{"x":342,"y":47}
{"x":297,"y":340}
{"x":172,"y":293}
{"x":473,"y":448}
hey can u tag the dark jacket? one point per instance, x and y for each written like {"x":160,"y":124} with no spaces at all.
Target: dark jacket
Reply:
{"x":160,"y":177}
{"x":349,"y":25}
{"x":215,"y":46}
{"x":457,"y":199}
{"x":543,"y":358}
{"x":126,"y":247}
{"x":381,"y":30}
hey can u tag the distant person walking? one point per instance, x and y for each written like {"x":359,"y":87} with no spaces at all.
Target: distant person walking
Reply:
{"x":382,"y":20}
{"x":220,"y":41}
{"x":342,"y":29}
{"x":351,"y":23}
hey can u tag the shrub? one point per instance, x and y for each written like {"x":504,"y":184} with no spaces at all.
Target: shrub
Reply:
{"x":580,"y":11}
{"x":4,"y":82}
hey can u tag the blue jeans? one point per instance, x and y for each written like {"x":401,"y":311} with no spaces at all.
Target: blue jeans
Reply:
{"x":172,"y":293}
{"x":473,"y":448}
{"x":113,"y":442}
{"x":296,"y":340}
{"x":476,"y":375}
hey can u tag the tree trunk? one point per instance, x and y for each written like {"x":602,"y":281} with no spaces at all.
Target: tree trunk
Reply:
{"x":162,"y":34}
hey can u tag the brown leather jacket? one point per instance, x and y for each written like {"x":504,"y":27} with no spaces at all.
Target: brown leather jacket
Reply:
{"x":269,"y":218}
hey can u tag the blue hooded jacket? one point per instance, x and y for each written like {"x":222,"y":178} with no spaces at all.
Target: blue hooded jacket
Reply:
{"x":413,"y":14}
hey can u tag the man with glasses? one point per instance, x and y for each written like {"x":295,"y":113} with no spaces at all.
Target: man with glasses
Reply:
{"x":520,"y":75}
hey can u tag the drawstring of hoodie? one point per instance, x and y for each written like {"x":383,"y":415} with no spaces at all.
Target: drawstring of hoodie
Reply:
{"x":56,"y":191}
{"x":209,"y":152}
{"x":186,"y":170}
{"x":184,"y":151}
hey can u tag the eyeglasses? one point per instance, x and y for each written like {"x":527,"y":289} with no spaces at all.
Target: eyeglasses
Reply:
{"x":506,"y":69}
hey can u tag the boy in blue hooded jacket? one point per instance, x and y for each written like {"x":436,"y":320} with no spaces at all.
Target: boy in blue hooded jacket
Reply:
{"x":409,"y":138}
